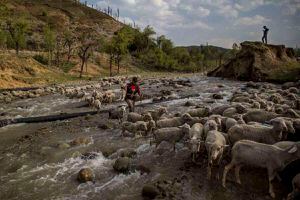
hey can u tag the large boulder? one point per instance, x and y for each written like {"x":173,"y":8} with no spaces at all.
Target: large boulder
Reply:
{"x":85,"y":175}
{"x":122,"y":164}
{"x":81,"y":141}
{"x":261,"y":62}
{"x":150,"y":191}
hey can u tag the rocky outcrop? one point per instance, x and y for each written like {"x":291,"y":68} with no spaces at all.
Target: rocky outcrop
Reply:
{"x":261,"y":62}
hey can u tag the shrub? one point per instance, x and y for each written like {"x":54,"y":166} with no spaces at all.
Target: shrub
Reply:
{"x":67,"y":66}
{"x":41,"y":59}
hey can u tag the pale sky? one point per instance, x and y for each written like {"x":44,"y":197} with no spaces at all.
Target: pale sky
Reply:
{"x":218,"y":22}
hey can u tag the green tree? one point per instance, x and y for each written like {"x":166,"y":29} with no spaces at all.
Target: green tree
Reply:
{"x":165,"y":44}
{"x":143,"y":40}
{"x":109,"y":49}
{"x":58,"y":48}
{"x":182,"y":56}
{"x":159,"y":40}
{"x":69,"y":42}
{"x":86,"y":44}
{"x":50,"y":42}
{"x":147,"y":36}
{"x":17,"y":31}
{"x":120,"y":47}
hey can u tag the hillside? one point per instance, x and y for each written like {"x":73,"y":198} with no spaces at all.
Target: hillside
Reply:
{"x":99,"y":44}
{"x":24,"y":71}
{"x":60,"y":15}
{"x":261,"y":62}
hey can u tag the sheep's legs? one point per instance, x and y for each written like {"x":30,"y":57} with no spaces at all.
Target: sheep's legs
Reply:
{"x":226,"y":170}
{"x":208,"y":171}
{"x":278,"y":177}
{"x":218,"y":174}
{"x":237,"y":174}
{"x":271,"y":178}
{"x":194,"y":157}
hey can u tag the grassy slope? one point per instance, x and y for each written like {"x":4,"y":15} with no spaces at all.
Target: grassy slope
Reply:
{"x":60,"y":14}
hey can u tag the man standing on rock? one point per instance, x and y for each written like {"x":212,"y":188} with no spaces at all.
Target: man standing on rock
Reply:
{"x":265,"y":36}
{"x":132,"y":89}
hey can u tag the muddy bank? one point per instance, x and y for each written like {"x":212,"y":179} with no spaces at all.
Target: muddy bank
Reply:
{"x":261,"y":62}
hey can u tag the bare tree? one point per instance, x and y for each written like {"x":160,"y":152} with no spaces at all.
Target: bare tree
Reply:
{"x":85,"y":49}
{"x":69,"y":42}
{"x":58,"y":49}
{"x":17,"y":30}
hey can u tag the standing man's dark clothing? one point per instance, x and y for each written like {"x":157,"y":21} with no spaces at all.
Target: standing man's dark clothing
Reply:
{"x":265,"y":36}
{"x":132,"y":89}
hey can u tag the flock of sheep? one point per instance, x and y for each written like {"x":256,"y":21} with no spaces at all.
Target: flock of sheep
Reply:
{"x":87,"y":92}
{"x":254,"y":127}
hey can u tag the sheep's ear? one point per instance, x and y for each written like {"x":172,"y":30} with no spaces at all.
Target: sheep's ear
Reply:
{"x":293,"y":150}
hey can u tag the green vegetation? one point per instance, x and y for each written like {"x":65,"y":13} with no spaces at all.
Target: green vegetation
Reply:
{"x":160,"y":53}
{"x":49,"y":41}
{"x":41,"y":59}
{"x":16,"y":32}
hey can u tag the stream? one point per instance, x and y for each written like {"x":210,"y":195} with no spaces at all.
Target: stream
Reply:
{"x":35,"y":162}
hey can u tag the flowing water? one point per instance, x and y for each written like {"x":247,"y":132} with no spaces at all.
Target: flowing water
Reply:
{"x":35,"y":164}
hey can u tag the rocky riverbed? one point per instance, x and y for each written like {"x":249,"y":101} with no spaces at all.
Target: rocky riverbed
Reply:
{"x":42,"y":160}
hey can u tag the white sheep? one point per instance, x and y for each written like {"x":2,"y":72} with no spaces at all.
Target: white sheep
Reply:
{"x":250,"y":153}
{"x":138,"y":127}
{"x":284,"y":144}
{"x":109,"y":96}
{"x":215,"y":144}
{"x":118,"y":113}
{"x":170,"y":134}
{"x":210,"y":125}
{"x":230,"y":122}
{"x":199,"y":112}
{"x":195,"y":136}
{"x":173,"y":122}
{"x":97,"y":104}
{"x":134,"y":117}
{"x":257,"y":115}
{"x":97,"y":95}
{"x":157,"y":113}
{"x":295,"y":194}
{"x":263,"y":134}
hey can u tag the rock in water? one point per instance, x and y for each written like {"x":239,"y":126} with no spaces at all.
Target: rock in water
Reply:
{"x":190,"y":103}
{"x":63,"y":146}
{"x":261,"y":62}
{"x":129,"y":152}
{"x":217,"y":96}
{"x":122,"y":164}
{"x":81,"y":141}
{"x":89,"y":156}
{"x":150,"y":191}
{"x":85,"y":175}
